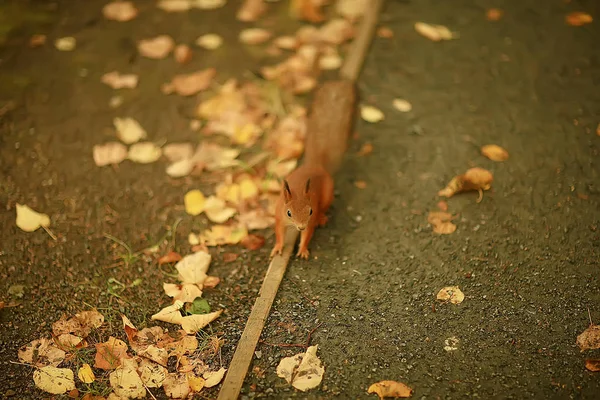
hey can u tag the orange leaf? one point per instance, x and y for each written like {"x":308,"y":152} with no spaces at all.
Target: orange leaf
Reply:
{"x":494,"y":152}
{"x":578,"y":18}
{"x":390,"y":389}
{"x":170,"y":257}
{"x":230,"y":257}
{"x":366,"y":148}
{"x":474,"y":179}
{"x":593,"y":365}
{"x":494,"y":14}
{"x":110,"y":353}
{"x":360,"y":184}
{"x":253,"y":242}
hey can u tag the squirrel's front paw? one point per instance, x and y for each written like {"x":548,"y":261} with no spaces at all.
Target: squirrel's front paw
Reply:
{"x":276,"y":250}
{"x":303,"y":253}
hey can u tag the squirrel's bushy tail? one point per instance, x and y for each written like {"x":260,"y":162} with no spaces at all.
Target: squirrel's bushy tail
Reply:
{"x":327,"y":135}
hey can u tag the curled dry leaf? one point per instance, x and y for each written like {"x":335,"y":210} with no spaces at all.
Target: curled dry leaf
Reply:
{"x":170,"y":313}
{"x":156,"y":48}
{"x":402,"y":105}
{"x":152,"y":375}
{"x":251,"y":10}
{"x":120,"y":11}
{"x":303,"y":371}
{"x":190,"y":84}
{"x":441,"y":222}
{"x":174,"y":5}
{"x":194,"y":202}
{"x":29,"y":220}
{"x":65,"y":44}
{"x":110,"y":354}
{"x":578,"y":18}
{"x":434,"y":32}
{"x":590,"y":338}
{"x":41,"y":353}
{"x":210,"y":41}
{"x":126,"y":382}
{"x":183,"y":54}
{"x":371,"y":114}
{"x":254,"y":36}
{"x":144,"y":153}
{"x":54,"y":380}
{"x":494,"y":14}
{"x":170,"y":257}
{"x":253,"y":242}
{"x":452,"y":294}
{"x":593,"y":365}
{"x":69,"y":342}
{"x":193,"y":323}
{"x":213,"y":378}
{"x":85,"y":374}
{"x":474,"y":179}
{"x":193,"y":267}
{"x":385,"y":389}
{"x":494,"y":152}
{"x":129,"y":130}
{"x":117,"y":81}
{"x":330,"y":61}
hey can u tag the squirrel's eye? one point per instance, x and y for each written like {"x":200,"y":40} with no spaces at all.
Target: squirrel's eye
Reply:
{"x":310,"y":212}
{"x":289,"y":213}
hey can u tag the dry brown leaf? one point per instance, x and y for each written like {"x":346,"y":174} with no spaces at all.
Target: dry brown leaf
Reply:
{"x":441,"y":222}
{"x":214,"y":157}
{"x":110,"y":354}
{"x":178,"y":151}
{"x":209,"y":4}
{"x":494,"y":152}
{"x":120,"y":11}
{"x":190,"y":84}
{"x":494,"y":14}
{"x":308,"y":10}
{"x":37,"y":40}
{"x":183,"y":54}
{"x":452,"y":294}
{"x":41,"y":353}
{"x":211,"y":282}
{"x":578,"y":18}
{"x":590,"y":338}
{"x":30,"y":220}
{"x":230,"y":257}
{"x":434,"y":32}
{"x":253,"y":242}
{"x":69,"y":342}
{"x":156,"y":48}
{"x":129,"y":130}
{"x":593,"y":365}
{"x":474,"y":179}
{"x":81,"y":324}
{"x":170,"y":257}
{"x":254,"y":36}
{"x":185,"y":293}
{"x":251,"y":10}
{"x":212,"y":378}
{"x":286,"y":42}
{"x":217,"y":210}
{"x":117,"y":80}
{"x":170,"y":313}
{"x":360,"y":184}
{"x":85,"y":374}
{"x":390,"y":389}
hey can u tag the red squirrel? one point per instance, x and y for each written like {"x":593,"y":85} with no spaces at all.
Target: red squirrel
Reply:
{"x":307,"y":192}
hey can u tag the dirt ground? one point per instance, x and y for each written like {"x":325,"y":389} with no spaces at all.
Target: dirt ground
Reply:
{"x":527,"y":256}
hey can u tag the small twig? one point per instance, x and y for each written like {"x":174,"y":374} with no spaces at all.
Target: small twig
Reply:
{"x":25,"y":364}
{"x":590,"y":315}
{"x":148,"y":390}
{"x":310,"y":334}
{"x":49,"y":232}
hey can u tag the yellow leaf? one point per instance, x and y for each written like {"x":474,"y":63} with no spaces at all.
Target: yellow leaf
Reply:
{"x":196,"y":383}
{"x":434,"y":32}
{"x":54,"y":380}
{"x":194,"y":202}
{"x":210,"y":41}
{"x":212,"y":378}
{"x":452,"y":294}
{"x":144,"y":152}
{"x":170,"y":313}
{"x":390,"y":389}
{"x":193,"y":323}
{"x":85,"y":374}
{"x":193,"y":267}
{"x":494,"y":152}
{"x":30,"y":220}
{"x":217,"y":211}
{"x":248,"y":189}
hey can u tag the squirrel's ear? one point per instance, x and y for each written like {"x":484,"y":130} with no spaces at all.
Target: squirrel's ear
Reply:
{"x":287,"y":193}
{"x":307,"y":188}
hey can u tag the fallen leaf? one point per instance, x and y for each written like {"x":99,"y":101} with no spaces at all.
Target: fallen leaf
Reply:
{"x":81,"y":324}
{"x":109,"y":153}
{"x":303,"y":371}
{"x":253,"y":242}
{"x":129,"y":130}
{"x":37,"y":40}
{"x":286,"y":42}
{"x":308,"y":10}
{"x":402,"y":105}
{"x":144,"y":152}
{"x":223,"y":234}
{"x":434,"y":32}
{"x":590,"y":338}
{"x":174,"y":5}
{"x":254,"y":36}
{"x":65,"y":44}
{"x":156,"y":354}
{"x":176,"y":385}
{"x":183,"y":54}
{"x":442,"y":205}
{"x":211,"y":282}
{"x":217,"y":211}
{"x":451,"y":344}
{"x":54,"y":380}
{"x":194,"y":201}
{"x":494,"y":152}
{"x":251,"y":10}
{"x":41,"y":353}
{"x":170,"y":257}
{"x":351,"y":9}
{"x":117,"y":81}
{"x":210,"y":41}
{"x":494,"y":14}
{"x":130,"y":329}
{"x":385,"y":32}
{"x":330,"y":61}
{"x":196,"y":383}
{"x":371,"y":114}
{"x":212,"y":378}
{"x":178,"y":151}
{"x":180,"y":168}
{"x":110,"y":354}
{"x":30,"y":220}
{"x":156,"y":48}
{"x":214,"y":157}
{"x":120,"y":11}
{"x":441,"y":222}
{"x":474,"y":179}
{"x":126,"y":382}
{"x":578,"y":18}
{"x":152,"y":374}
{"x":336,"y":31}
{"x":452,"y":294}
{"x":360,"y":184}
{"x":209,"y":4}
{"x":385,"y":389}
{"x":256,"y":219}
{"x":190,"y":84}
{"x":170,"y":313}
{"x":69,"y":342}
{"x":193,"y":323}
{"x":366,"y":149}
{"x":193,"y":267}
{"x":230,"y":257}
{"x":185,"y":293}
{"x":593,"y":365}
{"x":85,"y":374}
{"x":281,"y":169}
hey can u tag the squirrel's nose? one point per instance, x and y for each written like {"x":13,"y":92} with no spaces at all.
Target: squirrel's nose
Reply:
{"x":301,"y":227}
